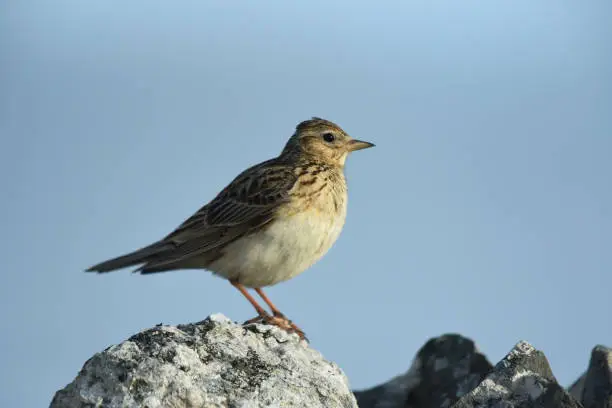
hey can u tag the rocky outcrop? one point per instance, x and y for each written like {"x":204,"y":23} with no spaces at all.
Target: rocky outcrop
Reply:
{"x":214,"y":363}
{"x":444,"y":368}
{"x":217,"y":363}
{"x":449,"y":371}
{"x":594,"y":388}
{"x":522,"y":379}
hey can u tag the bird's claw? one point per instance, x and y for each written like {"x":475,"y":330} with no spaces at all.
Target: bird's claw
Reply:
{"x":279,"y":321}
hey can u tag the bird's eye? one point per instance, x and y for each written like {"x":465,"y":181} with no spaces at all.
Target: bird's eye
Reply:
{"x":329,"y":137}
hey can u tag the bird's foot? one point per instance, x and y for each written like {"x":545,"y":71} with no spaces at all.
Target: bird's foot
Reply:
{"x":292,"y":327}
{"x":279,"y":320}
{"x":257,"y":319}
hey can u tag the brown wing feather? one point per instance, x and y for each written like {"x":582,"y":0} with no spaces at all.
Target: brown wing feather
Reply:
{"x":246,"y":204}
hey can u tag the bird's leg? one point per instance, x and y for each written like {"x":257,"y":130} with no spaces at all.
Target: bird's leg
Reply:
{"x":279,"y":316}
{"x":262,"y":314}
{"x":275,"y":311}
{"x":278,"y":319}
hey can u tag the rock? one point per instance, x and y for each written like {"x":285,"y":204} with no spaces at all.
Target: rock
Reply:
{"x":522,"y":379}
{"x":217,"y":363}
{"x":575,"y":390}
{"x":444,"y":369}
{"x":594,"y":389}
{"x":214,"y":363}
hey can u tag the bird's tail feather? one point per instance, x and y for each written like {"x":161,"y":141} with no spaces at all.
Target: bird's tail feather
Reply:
{"x":137,"y":257}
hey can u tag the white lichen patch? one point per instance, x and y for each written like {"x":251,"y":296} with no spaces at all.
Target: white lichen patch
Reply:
{"x":528,"y":384}
{"x":489,"y":388}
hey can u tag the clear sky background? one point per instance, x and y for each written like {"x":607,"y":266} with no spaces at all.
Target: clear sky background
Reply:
{"x":485,"y":209}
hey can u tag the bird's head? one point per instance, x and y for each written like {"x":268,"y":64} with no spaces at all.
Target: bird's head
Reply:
{"x":324,"y":141}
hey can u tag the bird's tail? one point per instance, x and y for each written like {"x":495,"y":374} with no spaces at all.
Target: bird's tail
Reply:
{"x":143,"y":255}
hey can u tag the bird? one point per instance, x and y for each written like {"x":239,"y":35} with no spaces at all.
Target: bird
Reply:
{"x":269,"y":224}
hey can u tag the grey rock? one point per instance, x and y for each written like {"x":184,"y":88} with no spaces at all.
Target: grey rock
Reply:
{"x":522,"y":379}
{"x":444,"y":369}
{"x":575,"y":390}
{"x":214,"y":363}
{"x":217,"y":363}
{"x":594,"y":389}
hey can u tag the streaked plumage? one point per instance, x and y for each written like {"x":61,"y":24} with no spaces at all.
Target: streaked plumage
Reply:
{"x":272,"y":222}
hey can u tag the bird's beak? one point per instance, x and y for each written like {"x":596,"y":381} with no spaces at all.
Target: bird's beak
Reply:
{"x":355,"y":144}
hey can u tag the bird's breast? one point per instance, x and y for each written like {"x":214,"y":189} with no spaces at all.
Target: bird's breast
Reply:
{"x":298,"y":236}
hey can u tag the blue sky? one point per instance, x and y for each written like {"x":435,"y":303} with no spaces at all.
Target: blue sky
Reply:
{"x":485,"y":208}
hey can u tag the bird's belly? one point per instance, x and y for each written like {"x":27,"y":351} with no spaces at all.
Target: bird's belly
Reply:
{"x":281,"y":250}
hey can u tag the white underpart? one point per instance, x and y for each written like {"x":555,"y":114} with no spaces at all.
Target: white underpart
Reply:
{"x":282,"y":250}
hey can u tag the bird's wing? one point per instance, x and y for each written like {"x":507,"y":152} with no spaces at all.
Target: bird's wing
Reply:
{"x":247,"y":203}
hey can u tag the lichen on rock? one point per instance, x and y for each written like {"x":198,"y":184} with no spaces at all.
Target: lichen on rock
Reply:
{"x":214,"y":363}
